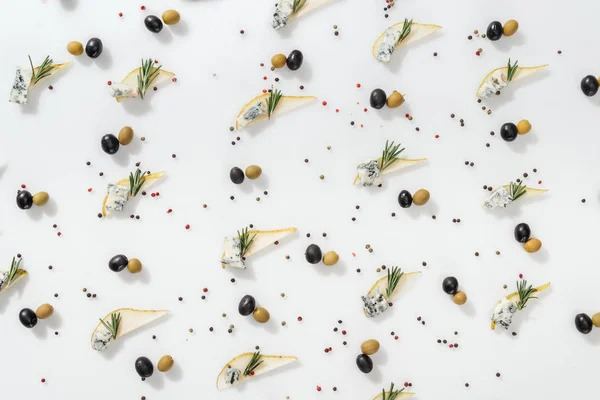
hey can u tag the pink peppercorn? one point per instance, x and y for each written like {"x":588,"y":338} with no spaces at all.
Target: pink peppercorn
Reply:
{"x":187,"y":226}
{"x":324,"y":103}
{"x":299,"y":319}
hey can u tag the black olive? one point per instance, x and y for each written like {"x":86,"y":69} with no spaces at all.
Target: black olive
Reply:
{"x":313,"y":254}
{"x":28,"y":318}
{"x":522,"y":232}
{"x":118,"y":263}
{"x":450,"y":285}
{"x":509,"y":132}
{"x":589,"y":85}
{"x":494,"y":31}
{"x":153,"y":23}
{"x":94,"y":47}
{"x":109,"y":143}
{"x":364,"y":363}
{"x":24,"y":200}
{"x":236,"y":175}
{"x":583,"y":323}
{"x":405,"y":199}
{"x":294,"y":60}
{"x":378,"y":99}
{"x":247,"y":305}
{"x":144,"y":367}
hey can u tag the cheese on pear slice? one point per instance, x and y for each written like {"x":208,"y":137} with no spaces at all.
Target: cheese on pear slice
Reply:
{"x":149,"y":180}
{"x":286,"y":103}
{"x":382,"y":283}
{"x":21,"y":273}
{"x":417,"y":32}
{"x":516,"y":294}
{"x":240,"y":362}
{"x":264,"y":239}
{"x":529,"y":192}
{"x":401,"y":394}
{"x":57,"y":67}
{"x":398,"y":164}
{"x":522,"y":72}
{"x":132,"y":80}
{"x":130,"y":320}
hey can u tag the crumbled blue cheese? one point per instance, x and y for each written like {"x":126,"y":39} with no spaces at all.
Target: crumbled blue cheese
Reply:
{"x":503,"y":313}
{"x":233,"y":253}
{"x":283,"y":10}
{"x":495,"y":83}
{"x":375,"y":305}
{"x":101,"y":340}
{"x":369,"y":173}
{"x":117,"y":197}
{"x":20,"y":87}
{"x":260,"y":108}
{"x":500,"y":198}
{"x":232,"y":375}
{"x":123,"y":90}
{"x":388,"y":44}
{"x":3,"y":279}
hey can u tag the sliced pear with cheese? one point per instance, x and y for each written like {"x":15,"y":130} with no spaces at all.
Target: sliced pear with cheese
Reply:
{"x":399,"y":163}
{"x":401,"y":394}
{"x":263,"y":239}
{"x":417,"y":32}
{"x":522,"y":72}
{"x":529,"y":192}
{"x":309,"y":6}
{"x":382,"y":284}
{"x":20,"y":274}
{"x":131,"y":320}
{"x":57,"y":67}
{"x":270,"y":362}
{"x":516,"y":294}
{"x":149,"y":180}
{"x":286,"y":104}
{"x":132,"y":80}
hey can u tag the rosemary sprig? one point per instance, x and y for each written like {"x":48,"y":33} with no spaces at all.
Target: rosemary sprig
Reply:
{"x":390,"y":153}
{"x":517,"y":190}
{"x":405,"y":29}
{"x":512,"y":70}
{"x":392,"y":394}
{"x":394,"y":275}
{"x":113,"y":326}
{"x":297,"y":6}
{"x":525,"y":293}
{"x":147,"y":74}
{"x":136,"y":181}
{"x":12,"y":272}
{"x":43,"y":70}
{"x":272,"y":101}
{"x":255,"y":361}
{"x":245,"y":240}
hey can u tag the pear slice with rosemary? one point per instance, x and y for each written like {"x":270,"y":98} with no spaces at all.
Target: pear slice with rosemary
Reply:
{"x":130,"y":320}
{"x":260,"y":239}
{"x":281,"y":105}
{"x":132,"y":78}
{"x":517,"y":294}
{"x":49,"y":71}
{"x":309,"y":6}
{"x":522,"y":192}
{"x":252,"y":365}
{"x":146,"y":182}
{"x":520,"y":73}
{"x":389,"y":162}
{"x":389,"y":285}
{"x":393,"y":394}
{"x":398,"y":164}
{"x":14,"y":275}
{"x":416,"y":32}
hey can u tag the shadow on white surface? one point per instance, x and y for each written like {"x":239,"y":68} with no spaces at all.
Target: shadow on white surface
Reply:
{"x":33,"y":96}
{"x":140,"y":277}
{"x":165,"y":36}
{"x":521,"y":144}
{"x":468,"y":308}
{"x":180,"y":29}
{"x":175,"y":373}
{"x":397,"y":59}
{"x":302,"y":75}
{"x":505,"y":44}
{"x":16,"y":290}
{"x":137,"y":106}
{"x":416,"y":212}
{"x":36,"y":212}
{"x":157,"y":380}
{"x":69,"y":5}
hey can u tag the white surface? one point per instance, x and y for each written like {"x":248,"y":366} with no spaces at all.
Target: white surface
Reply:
{"x":46,"y":144}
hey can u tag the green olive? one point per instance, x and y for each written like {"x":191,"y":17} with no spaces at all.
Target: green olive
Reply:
{"x":261,"y":315}
{"x":165,"y":363}
{"x":420,"y":197}
{"x":278,"y":60}
{"x":75,"y":48}
{"x":331,"y":258}
{"x":459,"y":298}
{"x":125,"y":135}
{"x":171,"y":17}
{"x":134,"y":265}
{"x":510,"y":27}
{"x":596,"y":320}
{"x":533,"y":245}
{"x":44,"y":311}
{"x":395,"y":100}
{"x":253,"y":171}
{"x":40,"y":198}
{"x":523,"y":127}
{"x":369,"y":347}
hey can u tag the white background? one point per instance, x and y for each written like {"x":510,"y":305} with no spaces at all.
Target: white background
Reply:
{"x":45,"y":144}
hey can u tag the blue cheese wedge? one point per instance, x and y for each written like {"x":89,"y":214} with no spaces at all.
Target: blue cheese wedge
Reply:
{"x":123,"y":90}
{"x":375,"y":304}
{"x":232,"y":376}
{"x":260,"y":108}
{"x":233,"y":253}
{"x":503,"y":313}
{"x":3,"y":279}
{"x":369,"y":173}
{"x":283,"y":10}
{"x":101,"y":340}
{"x":117,"y":197}
{"x":21,"y":85}
{"x":500,"y":198}
{"x":387,"y":46}
{"x":495,"y":83}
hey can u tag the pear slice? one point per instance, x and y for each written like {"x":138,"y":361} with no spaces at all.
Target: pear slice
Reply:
{"x":21,"y":273}
{"x":309,"y":6}
{"x":264,"y":239}
{"x":382,"y":283}
{"x":398,"y":164}
{"x":529,"y":192}
{"x":401,"y":394}
{"x":516,"y":294}
{"x":522,"y":72}
{"x":240,"y":362}
{"x":417,"y":32}
{"x":57,"y":67}
{"x":131,"y":80}
{"x":286,"y":103}
{"x":148,"y":181}
{"x":131,"y":320}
